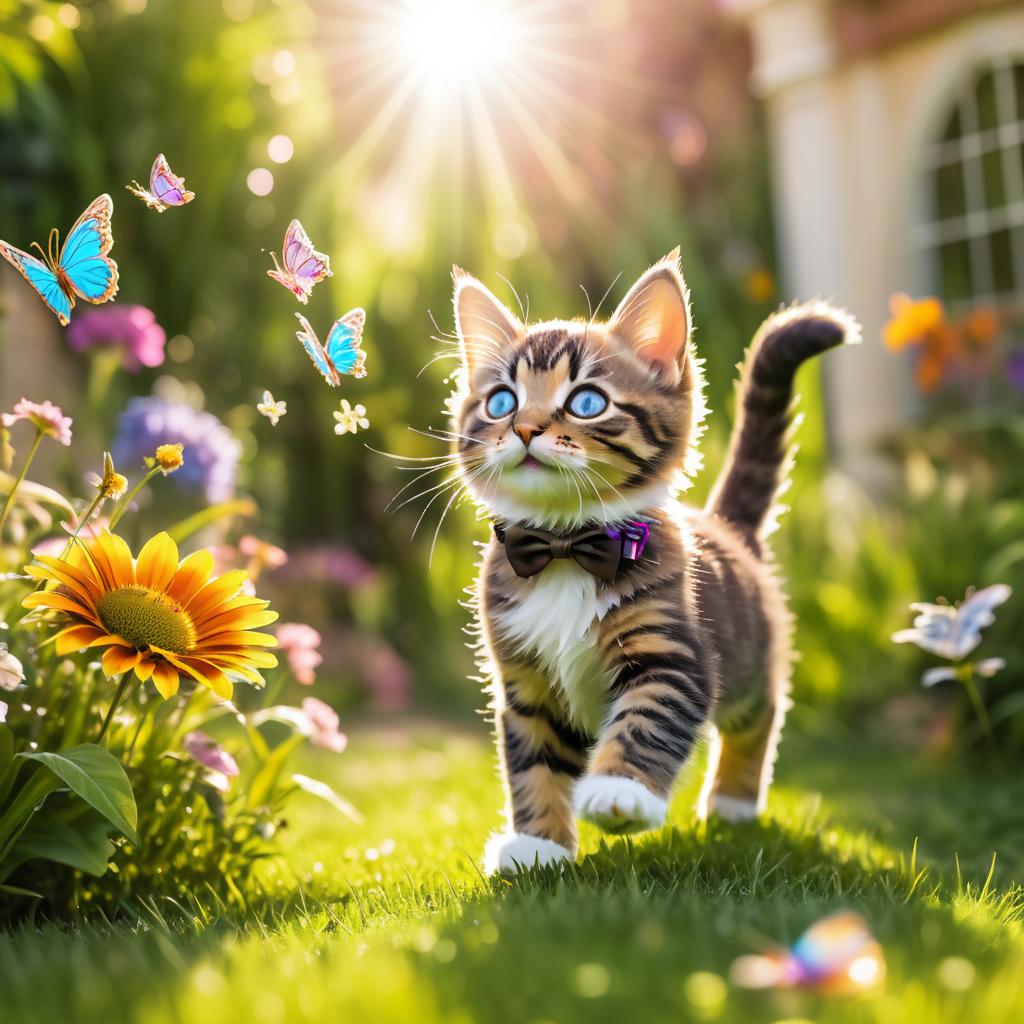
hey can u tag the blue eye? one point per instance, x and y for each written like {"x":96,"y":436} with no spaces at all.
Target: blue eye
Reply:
{"x":501,"y":403}
{"x":586,"y":403}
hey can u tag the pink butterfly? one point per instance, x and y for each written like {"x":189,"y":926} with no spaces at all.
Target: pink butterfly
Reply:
{"x":165,"y":187}
{"x":303,"y":265}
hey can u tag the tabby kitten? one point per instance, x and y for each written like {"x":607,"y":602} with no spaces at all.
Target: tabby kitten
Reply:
{"x":606,"y":669}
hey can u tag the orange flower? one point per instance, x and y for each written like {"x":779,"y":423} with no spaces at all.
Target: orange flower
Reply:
{"x":982,"y":326}
{"x":155,"y":616}
{"x":912,"y":321}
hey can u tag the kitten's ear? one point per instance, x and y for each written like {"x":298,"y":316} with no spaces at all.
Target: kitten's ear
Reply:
{"x":483,"y":323}
{"x":654,"y":318}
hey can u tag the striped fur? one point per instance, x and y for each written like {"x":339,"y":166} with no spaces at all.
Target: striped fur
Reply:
{"x":601,"y":690}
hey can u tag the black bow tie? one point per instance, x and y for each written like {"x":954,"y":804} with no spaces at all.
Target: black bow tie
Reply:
{"x":529,"y":550}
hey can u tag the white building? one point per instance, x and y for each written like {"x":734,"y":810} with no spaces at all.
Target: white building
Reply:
{"x":897,"y":136}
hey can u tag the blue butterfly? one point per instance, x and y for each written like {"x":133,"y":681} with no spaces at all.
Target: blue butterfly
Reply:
{"x":342,"y":353}
{"x":82,"y":267}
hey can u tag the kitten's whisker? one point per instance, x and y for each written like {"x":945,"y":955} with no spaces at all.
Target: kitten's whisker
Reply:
{"x":512,"y":287}
{"x":391,"y":507}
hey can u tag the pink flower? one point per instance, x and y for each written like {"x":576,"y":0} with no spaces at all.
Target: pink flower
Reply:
{"x":3,"y":711}
{"x":133,"y":329}
{"x":388,"y":677}
{"x":299,"y":643}
{"x":324,"y":721}
{"x":45,"y":417}
{"x":209,"y":753}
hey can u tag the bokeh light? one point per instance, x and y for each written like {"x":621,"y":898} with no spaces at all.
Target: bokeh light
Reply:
{"x":280,"y":149}
{"x":260,"y":181}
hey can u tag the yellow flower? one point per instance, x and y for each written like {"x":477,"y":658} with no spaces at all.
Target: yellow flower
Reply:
{"x":112,"y":484}
{"x":155,"y":616}
{"x":169,"y":457}
{"x":350,"y":419}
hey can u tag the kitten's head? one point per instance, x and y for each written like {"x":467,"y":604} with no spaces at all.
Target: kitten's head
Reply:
{"x":566,"y":422}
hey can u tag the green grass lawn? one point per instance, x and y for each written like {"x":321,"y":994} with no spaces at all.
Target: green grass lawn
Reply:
{"x":391,"y":920}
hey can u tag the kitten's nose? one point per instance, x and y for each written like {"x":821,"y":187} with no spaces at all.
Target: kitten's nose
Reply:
{"x":526,"y":429}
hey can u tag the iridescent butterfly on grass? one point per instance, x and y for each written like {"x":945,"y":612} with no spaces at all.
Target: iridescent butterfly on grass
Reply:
{"x":341,"y":354}
{"x":301,"y":266}
{"x":82,"y":267}
{"x":165,"y":187}
{"x":837,"y":955}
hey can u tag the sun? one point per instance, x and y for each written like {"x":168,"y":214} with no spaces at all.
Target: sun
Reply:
{"x":455,"y":43}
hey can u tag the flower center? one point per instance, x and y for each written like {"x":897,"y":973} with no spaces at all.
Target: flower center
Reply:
{"x":146,"y":618}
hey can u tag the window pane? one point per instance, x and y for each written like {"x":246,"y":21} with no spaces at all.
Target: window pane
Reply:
{"x":949,"y":192}
{"x":1002,"y":261}
{"x":992,"y":169}
{"x":953,"y":130}
{"x":985,"y":97}
{"x":955,"y":271}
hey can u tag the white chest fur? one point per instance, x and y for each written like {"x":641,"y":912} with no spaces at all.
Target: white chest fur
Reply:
{"x":555,"y":621}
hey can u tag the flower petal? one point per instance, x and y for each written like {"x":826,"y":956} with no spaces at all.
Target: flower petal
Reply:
{"x":192,"y":575}
{"x":117,"y":660}
{"x":165,"y":679}
{"x":215,"y":593}
{"x":157,"y":562}
{"x":74,"y":638}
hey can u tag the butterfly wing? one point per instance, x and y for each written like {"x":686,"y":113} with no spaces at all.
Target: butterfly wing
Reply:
{"x":315,"y":351}
{"x":305,"y":266}
{"x":166,"y":186}
{"x":343,"y":344}
{"x":42,"y":278}
{"x":84,"y":260}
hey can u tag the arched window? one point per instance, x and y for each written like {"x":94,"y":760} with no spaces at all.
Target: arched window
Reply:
{"x":972,"y":236}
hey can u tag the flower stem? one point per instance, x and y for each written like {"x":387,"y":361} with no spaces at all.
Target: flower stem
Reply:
{"x":980,"y":711}
{"x":121,"y":687}
{"x":130,"y":497}
{"x":17,"y":483}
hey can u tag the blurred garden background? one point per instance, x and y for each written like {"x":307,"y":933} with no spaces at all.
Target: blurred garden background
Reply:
{"x":868,"y":152}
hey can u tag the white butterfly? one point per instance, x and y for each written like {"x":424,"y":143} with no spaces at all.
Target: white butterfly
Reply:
{"x":949,"y":632}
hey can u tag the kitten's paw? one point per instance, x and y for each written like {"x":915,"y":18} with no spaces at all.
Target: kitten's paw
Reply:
{"x":508,"y":853}
{"x":733,"y":809}
{"x":618,"y":804}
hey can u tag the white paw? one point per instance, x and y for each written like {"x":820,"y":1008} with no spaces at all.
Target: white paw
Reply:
{"x":732,"y":808}
{"x":508,"y":853}
{"x":618,"y":804}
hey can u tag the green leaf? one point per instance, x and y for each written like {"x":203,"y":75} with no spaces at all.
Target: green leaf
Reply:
{"x":8,"y":766}
{"x":84,"y":845}
{"x":97,"y":777}
{"x":224,"y":510}
{"x":17,"y":890}
{"x":320,"y":789}
{"x":29,"y":491}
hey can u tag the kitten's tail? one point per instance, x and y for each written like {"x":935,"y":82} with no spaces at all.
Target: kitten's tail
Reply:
{"x":758,"y":462}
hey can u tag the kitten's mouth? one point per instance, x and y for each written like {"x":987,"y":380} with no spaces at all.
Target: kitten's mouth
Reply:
{"x":529,"y":462}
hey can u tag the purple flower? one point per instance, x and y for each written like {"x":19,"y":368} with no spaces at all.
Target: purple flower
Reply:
{"x":211,"y":453}
{"x":1015,"y":369}
{"x":133,"y":329}
{"x":210,"y":754}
